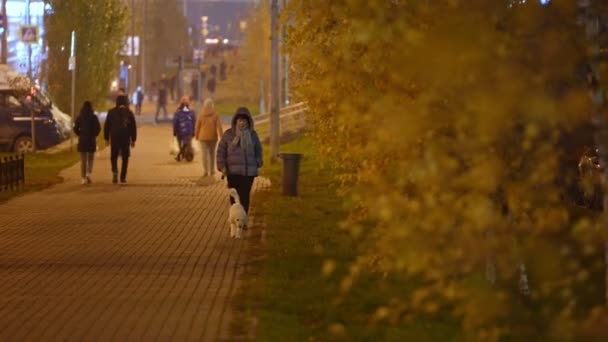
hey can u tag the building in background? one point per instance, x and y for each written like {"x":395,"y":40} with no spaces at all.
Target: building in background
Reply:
{"x":224,"y":18}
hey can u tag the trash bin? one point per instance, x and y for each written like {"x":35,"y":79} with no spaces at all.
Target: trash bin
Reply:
{"x":291,"y":170}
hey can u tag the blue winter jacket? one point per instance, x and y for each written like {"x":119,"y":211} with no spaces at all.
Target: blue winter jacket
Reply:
{"x":236,"y":160}
{"x":183,"y":122}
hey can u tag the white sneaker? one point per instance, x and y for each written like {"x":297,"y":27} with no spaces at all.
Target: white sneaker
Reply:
{"x":89,"y":181}
{"x":83,"y":181}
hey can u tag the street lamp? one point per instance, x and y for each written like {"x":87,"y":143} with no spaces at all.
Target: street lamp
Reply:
{"x":201,"y":56}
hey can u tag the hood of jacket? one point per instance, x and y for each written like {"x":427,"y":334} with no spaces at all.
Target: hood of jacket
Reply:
{"x":244,"y":113}
{"x":208,"y":112}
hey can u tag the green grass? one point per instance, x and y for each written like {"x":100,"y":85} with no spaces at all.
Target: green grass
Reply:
{"x":41,"y":171}
{"x":263,"y":130}
{"x":228,"y":107}
{"x":284,"y":287}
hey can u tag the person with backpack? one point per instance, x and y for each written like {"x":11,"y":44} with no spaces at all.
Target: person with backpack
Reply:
{"x":183,"y":129}
{"x":87,"y":129}
{"x":120,"y":131}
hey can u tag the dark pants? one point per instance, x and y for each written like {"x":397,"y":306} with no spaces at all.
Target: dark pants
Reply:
{"x":123,"y":151}
{"x":184,"y":142}
{"x":158,"y":108}
{"x":242,"y":184}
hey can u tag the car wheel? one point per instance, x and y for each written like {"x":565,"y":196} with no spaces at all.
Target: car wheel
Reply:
{"x":23,"y":145}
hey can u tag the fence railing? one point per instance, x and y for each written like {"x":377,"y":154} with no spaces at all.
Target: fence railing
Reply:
{"x":12,"y":172}
{"x":291,"y":118}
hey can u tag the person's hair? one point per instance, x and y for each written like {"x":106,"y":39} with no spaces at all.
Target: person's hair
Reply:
{"x":185,"y":100}
{"x":208,"y":104}
{"x":87,"y":108}
{"x":122,"y":100}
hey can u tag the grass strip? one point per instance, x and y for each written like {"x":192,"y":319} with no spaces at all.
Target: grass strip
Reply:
{"x":41,"y":171}
{"x":284,"y":287}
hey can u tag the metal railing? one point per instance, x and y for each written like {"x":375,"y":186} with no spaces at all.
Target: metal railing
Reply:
{"x":292,"y":119}
{"x":12,"y":172}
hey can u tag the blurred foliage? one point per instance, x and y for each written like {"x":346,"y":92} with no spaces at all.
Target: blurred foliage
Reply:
{"x":454,"y":127}
{"x":252,"y":64}
{"x":165,"y":35}
{"x":100,"y":27}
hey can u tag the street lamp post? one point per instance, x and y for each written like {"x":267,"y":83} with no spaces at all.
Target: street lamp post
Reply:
{"x":4,"y":33}
{"x":142,"y":46}
{"x":133,"y":57}
{"x":201,"y":56}
{"x":274,"y":81}
{"x":28,"y":21}
{"x":285,"y":61}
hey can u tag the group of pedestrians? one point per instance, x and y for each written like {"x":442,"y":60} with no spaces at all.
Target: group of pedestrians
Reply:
{"x":120,"y":131}
{"x":237,"y":155}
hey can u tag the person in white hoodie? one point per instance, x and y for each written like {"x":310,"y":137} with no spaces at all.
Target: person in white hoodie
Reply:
{"x":208,"y":131}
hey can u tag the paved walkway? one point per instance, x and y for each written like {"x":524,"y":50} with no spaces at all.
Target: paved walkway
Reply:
{"x":150,"y":261}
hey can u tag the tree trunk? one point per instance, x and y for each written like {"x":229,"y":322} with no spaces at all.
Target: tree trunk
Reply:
{"x":4,"y":57}
{"x":592,"y":29}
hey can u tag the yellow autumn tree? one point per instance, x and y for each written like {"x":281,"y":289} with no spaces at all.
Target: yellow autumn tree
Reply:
{"x":251,"y":64}
{"x":451,"y":125}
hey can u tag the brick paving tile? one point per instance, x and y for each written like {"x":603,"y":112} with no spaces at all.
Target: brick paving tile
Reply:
{"x":150,"y":261}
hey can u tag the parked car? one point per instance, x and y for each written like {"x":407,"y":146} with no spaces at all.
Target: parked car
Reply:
{"x":64,"y":121}
{"x":20,"y":100}
{"x":16,"y":123}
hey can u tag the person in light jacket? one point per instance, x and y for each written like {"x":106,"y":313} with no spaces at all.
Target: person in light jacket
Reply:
{"x":87,"y":129}
{"x":239,"y":155}
{"x":208,"y":131}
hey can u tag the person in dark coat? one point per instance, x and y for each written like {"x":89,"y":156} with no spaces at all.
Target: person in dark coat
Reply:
{"x":87,"y":129}
{"x":239,"y":155}
{"x":211,"y":87}
{"x":121,"y":132}
{"x":223,"y":71}
{"x":183,"y":127}
{"x":161,"y":100}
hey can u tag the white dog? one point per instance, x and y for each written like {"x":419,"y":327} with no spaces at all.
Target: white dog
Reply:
{"x":237,"y":217}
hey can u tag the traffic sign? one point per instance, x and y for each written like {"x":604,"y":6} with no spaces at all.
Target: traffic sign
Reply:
{"x":30,"y":34}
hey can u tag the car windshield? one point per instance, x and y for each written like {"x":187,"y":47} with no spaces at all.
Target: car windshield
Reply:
{"x":41,"y":98}
{"x":44,"y":98}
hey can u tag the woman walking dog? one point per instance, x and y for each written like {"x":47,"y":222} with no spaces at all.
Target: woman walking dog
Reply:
{"x":239,"y":155}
